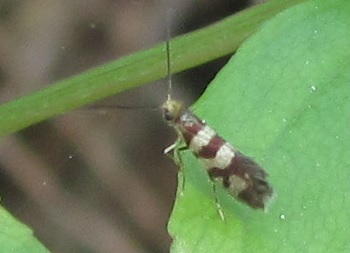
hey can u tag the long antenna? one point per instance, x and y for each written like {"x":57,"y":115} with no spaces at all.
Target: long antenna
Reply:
{"x":168,"y":60}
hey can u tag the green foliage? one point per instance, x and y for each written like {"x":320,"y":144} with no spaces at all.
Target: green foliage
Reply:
{"x":284,"y":100}
{"x":16,"y":237}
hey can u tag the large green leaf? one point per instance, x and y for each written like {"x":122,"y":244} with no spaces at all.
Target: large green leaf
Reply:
{"x":16,"y":237}
{"x":284,"y":100}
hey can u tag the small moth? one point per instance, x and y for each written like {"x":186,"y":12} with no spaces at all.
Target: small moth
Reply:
{"x":243,"y":178}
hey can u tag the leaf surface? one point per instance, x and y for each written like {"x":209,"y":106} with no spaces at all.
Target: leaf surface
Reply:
{"x":16,"y":237}
{"x":284,"y":100}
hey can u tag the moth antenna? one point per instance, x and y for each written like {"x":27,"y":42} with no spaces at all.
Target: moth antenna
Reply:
{"x":128,"y":107}
{"x":168,"y":59}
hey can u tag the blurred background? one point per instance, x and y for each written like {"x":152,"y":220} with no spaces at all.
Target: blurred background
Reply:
{"x":95,"y":180}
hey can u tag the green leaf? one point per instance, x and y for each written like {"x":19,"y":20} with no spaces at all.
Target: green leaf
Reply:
{"x":16,"y":237}
{"x":284,"y":100}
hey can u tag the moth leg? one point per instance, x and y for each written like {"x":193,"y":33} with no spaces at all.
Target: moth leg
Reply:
{"x":173,"y":151}
{"x":169,"y":150}
{"x":180,"y":163}
{"x":217,"y":203}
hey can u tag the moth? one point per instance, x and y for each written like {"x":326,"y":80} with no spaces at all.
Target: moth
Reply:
{"x":242,"y":177}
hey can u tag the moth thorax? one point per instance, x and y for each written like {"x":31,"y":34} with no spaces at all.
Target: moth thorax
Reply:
{"x":172,"y":110}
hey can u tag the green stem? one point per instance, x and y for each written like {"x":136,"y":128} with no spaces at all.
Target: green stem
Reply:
{"x":187,"y":51}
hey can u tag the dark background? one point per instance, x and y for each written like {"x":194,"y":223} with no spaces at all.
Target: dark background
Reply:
{"x":95,"y":180}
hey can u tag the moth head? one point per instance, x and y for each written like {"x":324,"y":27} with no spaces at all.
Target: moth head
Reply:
{"x":172,"y":110}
